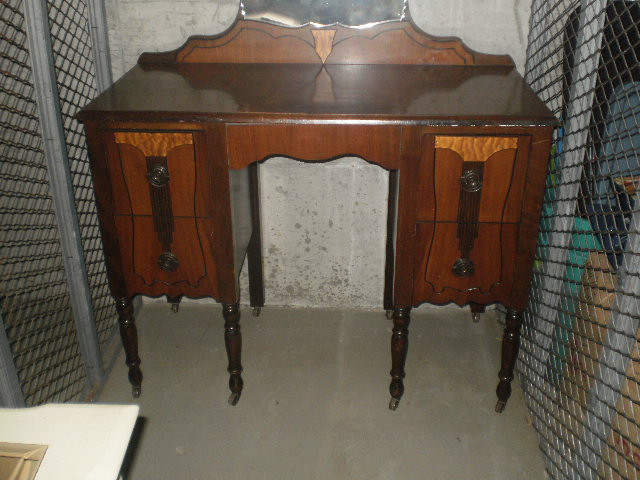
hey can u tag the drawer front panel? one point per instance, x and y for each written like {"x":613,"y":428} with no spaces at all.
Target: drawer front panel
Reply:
{"x":448,"y":270}
{"x":472,"y":179}
{"x":163,"y":205}
{"x":154,"y":173}
{"x":153,"y":267}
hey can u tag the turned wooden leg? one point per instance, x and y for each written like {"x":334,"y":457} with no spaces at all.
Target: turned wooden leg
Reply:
{"x":175,"y":303}
{"x":254,"y":250}
{"x":476,"y":310}
{"x":510,"y":345}
{"x":399,"y":346}
{"x":129,"y":335}
{"x":233,"y":343}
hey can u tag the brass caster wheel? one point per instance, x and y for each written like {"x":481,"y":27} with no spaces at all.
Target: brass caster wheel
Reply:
{"x":475,"y":317}
{"x":136,"y":391}
{"x":256,"y":311}
{"x":389,"y":314}
{"x":233,"y":398}
{"x":175,"y":307}
{"x":393,"y":404}
{"x":500,"y":406}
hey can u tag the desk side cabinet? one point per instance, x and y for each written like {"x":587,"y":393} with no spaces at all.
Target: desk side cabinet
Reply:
{"x":161,"y":196}
{"x":468,"y":213}
{"x":477,"y":211}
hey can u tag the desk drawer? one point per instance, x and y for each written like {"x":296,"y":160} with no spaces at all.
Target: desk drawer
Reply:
{"x":378,"y":144}
{"x":162,"y":209}
{"x":183,"y":263}
{"x":151,"y":171}
{"x":472,"y":178}
{"x":464,"y":262}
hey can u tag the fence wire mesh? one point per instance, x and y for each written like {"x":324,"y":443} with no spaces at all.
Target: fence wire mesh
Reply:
{"x":580,"y":359}
{"x":34,"y":299}
{"x":76,"y":79}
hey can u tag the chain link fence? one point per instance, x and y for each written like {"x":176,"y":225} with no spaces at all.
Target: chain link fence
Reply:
{"x":40,"y":331}
{"x":33,"y":289}
{"x":76,"y":81}
{"x":580,"y":361}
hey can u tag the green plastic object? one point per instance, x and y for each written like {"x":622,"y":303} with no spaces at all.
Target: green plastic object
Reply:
{"x":583,"y":242}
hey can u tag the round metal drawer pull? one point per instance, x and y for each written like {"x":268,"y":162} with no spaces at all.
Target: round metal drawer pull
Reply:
{"x":158,"y":176}
{"x":471,"y":181}
{"x":168,"y":262}
{"x":463,"y":267}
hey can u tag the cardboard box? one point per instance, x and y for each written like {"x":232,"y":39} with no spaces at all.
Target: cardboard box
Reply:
{"x":590,"y":326}
{"x":19,"y":461}
{"x":621,"y":454}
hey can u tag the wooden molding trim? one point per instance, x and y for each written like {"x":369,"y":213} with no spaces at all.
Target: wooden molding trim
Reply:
{"x":394,"y":43}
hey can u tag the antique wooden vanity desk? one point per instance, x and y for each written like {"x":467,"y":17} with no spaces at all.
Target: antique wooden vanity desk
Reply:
{"x":175,"y":143}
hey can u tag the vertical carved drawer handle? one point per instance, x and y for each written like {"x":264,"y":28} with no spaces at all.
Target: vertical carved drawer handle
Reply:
{"x":158,"y":176}
{"x":463,"y":267}
{"x":168,"y":262}
{"x":471,"y":181}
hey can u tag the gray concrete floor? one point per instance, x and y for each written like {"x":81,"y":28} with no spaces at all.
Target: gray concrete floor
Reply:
{"x":315,"y":399}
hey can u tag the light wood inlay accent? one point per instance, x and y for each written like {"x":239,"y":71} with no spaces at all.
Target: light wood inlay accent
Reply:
{"x":324,"y":42}
{"x":154,"y":144}
{"x":476,"y":149}
{"x":501,"y":162}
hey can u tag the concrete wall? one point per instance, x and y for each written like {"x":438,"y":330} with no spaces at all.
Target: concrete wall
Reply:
{"x":323,"y":224}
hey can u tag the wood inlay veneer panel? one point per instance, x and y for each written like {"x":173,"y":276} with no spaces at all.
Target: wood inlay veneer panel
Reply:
{"x":129,"y":177}
{"x":447,"y":171}
{"x":181,"y":163}
{"x":324,"y":42}
{"x":494,"y":160}
{"x":497,"y":182}
{"x":187,"y":247}
{"x":129,"y":169}
{"x":140,"y":249}
{"x":154,"y":144}
{"x":476,"y":149}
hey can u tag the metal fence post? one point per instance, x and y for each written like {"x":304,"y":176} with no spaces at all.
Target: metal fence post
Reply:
{"x":55,"y":150}
{"x":613,"y":362}
{"x":592,"y":16}
{"x":11,"y":395}
{"x":100,"y":42}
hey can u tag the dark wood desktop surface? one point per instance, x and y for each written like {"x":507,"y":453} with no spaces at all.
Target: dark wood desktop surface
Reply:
{"x":427,"y":95}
